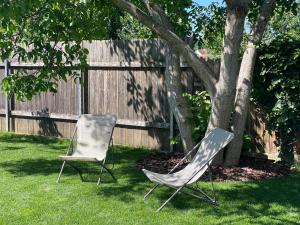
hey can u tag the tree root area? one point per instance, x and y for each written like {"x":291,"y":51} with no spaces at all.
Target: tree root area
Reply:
{"x":247,"y":170}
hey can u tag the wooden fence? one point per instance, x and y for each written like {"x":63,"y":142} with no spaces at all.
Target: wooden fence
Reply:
{"x":125,"y":78}
{"x":263,"y":140}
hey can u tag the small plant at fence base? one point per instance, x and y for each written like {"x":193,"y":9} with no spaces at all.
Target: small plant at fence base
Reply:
{"x":200,"y":106}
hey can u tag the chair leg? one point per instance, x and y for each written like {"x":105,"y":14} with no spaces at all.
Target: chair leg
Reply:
{"x":77,"y":169}
{"x":169,"y":199}
{"x":100,"y":177}
{"x":112,"y":153}
{"x":149,"y":192}
{"x":111,"y":174}
{"x":59,"y":175}
{"x":212,"y":185}
{"x":203,"y":196}
{"x":213,"y":199}
{"x":101,"y":171}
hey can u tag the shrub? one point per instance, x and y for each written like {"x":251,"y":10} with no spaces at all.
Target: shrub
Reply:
{"x":277,"y":88}
{"x":200,"y":107}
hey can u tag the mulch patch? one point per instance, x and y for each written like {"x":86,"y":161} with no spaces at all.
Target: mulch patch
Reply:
{"x":248,"y":169}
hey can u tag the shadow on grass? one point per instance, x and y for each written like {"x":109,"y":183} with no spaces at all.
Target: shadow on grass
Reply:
{"x":125,"y":170}
{"x":30,"y":139}
{"x":264,"y":198}
{"x":124,"y":159}
{"x":11,"y":148}
{"x":28,"y":167}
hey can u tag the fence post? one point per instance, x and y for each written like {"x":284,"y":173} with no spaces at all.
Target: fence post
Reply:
{"x":85,"y":91}
{"x":79,"y":93}
{"x":7,"y":102}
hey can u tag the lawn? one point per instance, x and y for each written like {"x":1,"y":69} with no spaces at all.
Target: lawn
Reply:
{"x":29,"y":193}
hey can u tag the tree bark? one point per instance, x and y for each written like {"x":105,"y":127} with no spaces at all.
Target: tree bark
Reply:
{"x":244,"y":84}
{"x":241,"y":106}
{"x":223,"y":101}
{"x":177,"y":102}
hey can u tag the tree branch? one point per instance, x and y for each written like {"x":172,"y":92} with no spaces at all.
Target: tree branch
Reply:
{"x":262,"y":20}
{"x":206,"y":74}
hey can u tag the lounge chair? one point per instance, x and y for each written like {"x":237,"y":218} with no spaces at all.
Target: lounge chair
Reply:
{"x":90,"y":142}
{"x":208,"y":148}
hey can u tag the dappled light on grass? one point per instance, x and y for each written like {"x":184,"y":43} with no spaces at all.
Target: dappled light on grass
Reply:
{"x":29,"y":166}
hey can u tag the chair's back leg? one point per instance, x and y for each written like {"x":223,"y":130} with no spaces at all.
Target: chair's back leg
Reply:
{"x":112,"y":153}
{"x":62,"y":168}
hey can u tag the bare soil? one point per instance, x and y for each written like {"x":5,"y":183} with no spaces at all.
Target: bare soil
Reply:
{"x":248,"y":169}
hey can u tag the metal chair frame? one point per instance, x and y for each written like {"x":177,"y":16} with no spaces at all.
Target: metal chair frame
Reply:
{"x":101,"y":163}
{"x":197,"y":190}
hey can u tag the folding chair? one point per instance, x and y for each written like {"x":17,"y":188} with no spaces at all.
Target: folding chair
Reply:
{"x":91,"y":139}
{"x":208,"y":148}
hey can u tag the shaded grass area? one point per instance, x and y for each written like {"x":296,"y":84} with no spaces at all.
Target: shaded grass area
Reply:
{"x":29,"y":194}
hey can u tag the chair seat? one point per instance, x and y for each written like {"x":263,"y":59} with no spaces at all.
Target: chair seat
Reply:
{"x":172,"y":179}
{"x":78,"y":158}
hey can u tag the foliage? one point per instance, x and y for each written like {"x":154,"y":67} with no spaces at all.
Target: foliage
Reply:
{"x":277,"y":88}
{"x":208,"y":23}
{"x":51,"y":32}
{"x":48,"y":31}
{"x":178,"y":13}
{"x":132,"y":29}
{"x":282,"y":7}
{"x":279,"y":26}
{"x":200,"y":107}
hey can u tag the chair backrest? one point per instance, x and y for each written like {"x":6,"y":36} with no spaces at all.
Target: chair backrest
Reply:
{"x":94,"y":133}
{"x":210,"y":145}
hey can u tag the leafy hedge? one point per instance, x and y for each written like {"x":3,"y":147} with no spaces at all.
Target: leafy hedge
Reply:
{"x":276,"y":87}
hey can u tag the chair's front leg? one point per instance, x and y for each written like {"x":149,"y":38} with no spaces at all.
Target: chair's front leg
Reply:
{"x":101,"y":171}
{"x":149,"y":192}
{"x":212,"y":184}
{"x":169,"y":199}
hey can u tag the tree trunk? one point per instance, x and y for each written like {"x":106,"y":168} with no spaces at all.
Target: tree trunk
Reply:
{"x":241,"y":106}
{"x":245,"y":83}
{"x":223,"y":101}
{"x":177,"y":102}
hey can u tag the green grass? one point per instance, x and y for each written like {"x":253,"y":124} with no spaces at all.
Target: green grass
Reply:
{"x":29,"y":193}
